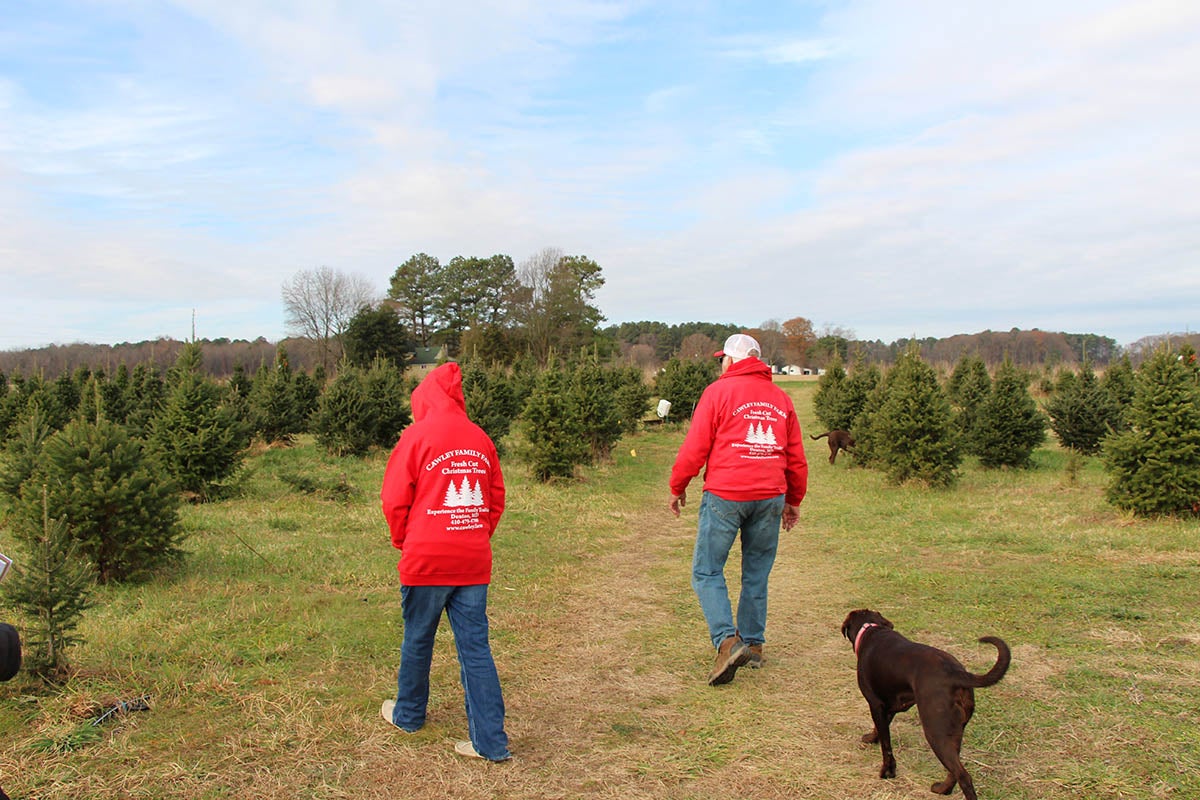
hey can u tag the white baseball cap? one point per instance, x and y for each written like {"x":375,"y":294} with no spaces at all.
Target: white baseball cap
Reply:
{"x":739,"y":346}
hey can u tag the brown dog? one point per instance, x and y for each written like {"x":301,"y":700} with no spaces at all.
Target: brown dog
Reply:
{"x":894,"y":674}
{"x":838,"y":440}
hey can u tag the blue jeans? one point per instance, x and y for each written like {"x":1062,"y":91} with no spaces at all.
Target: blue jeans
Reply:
{"x":720,"y":521}
{"x":466,"y":606}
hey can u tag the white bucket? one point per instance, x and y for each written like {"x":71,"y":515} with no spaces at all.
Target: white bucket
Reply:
{"x":664,"y":407}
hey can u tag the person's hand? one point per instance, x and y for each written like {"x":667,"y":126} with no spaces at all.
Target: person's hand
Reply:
{"x":678,"y":501}
{"x":790,"y":515}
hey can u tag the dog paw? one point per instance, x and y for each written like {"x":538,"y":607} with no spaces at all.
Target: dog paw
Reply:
{"x":943,"y":787}
{"x":888,"y":771}
{"x":870,"y":738}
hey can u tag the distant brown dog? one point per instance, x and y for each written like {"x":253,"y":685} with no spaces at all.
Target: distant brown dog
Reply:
{"x":838,"y":440}
{"x":894,"y":674}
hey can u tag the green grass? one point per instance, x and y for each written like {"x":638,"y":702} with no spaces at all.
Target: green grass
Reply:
{"x":266,"y":653}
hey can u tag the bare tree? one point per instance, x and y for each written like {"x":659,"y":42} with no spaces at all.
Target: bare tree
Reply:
{"x":320,"y":304}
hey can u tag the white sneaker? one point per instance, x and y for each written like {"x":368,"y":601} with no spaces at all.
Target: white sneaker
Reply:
{"x":386,"y":710}
{"x":467,"y":749}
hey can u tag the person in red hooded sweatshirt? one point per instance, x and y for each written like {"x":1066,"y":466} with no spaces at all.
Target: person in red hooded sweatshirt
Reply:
{"x":442,"y":496}
{"x":745,"y":435}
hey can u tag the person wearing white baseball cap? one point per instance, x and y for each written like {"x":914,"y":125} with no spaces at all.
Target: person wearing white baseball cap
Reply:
{"x":746,"y":437}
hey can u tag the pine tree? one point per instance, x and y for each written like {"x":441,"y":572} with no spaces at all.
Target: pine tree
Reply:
{"x":910,"y":433}
{"x":198,"y":437}
{"x":682,"y":383}
{"x":592,"y":396}
{"x":339,"y":423}
{"x":144,"y":399}
{"x":22,"y":453}
{"x":553,"y":441}
{"x":1010,"y":425}
{"x":114,"y":500}
{"x":491,"y":401}
{"x":631,"y":396}
{"x":308,"y":394}
{"x":274,"y":412}
{"x":969,"y":388}
{"x":387,"y":397}
{"x":826,"y":401}
{"x":362,"y":409}
{"x":862,"y":380}
{"x":53,"y":588}
{"x":1154,"y":465}
{"x":1082,"y":412}
{"x":1119,"y":382}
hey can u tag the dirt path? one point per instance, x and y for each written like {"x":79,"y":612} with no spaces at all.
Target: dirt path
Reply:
{"x":599,"y":707}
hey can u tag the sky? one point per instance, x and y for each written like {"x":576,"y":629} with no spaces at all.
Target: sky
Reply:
{"x":886,"y":169}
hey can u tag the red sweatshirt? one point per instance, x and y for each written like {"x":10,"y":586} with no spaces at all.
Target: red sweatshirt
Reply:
{"x":443,"y":492}
{"x":745,"y":430}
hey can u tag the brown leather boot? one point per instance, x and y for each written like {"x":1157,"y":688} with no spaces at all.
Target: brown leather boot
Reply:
{"x":756,"y":657}
{"x":732,"y":654}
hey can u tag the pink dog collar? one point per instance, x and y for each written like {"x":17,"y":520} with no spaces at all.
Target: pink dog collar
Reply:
{"x":861,"y":631}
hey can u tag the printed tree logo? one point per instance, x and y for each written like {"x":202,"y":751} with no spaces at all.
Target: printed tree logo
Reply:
{"x":755,"y":434}
{"x":463,"y":496}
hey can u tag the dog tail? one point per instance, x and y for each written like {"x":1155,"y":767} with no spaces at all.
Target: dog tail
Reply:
{"x":994,"y":674}
{"x":822,"y":436}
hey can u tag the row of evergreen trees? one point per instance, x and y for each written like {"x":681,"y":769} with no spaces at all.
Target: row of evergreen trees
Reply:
{"x":912,"y":426}
{"x":93,"y":470}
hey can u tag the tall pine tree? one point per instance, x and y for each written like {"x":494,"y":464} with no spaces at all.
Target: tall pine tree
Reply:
{"x":1154,"y":465}
{"x":197,"y":435}
{"x":910,"y":433}
{"x":1010,"y":425}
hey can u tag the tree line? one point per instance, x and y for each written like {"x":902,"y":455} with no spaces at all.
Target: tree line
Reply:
{"x":493,"y":309}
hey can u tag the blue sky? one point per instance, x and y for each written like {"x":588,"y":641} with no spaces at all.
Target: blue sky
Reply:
{"x":889,"y":169}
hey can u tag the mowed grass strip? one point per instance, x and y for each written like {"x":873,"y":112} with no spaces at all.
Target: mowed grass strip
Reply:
{"x":266,"y":654}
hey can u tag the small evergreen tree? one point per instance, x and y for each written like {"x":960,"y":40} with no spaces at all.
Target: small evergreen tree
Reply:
{"x":826,"y":400}
{"x":339,"y":424}
{"x":592,"y":393}
{"x":52,"y":587}
{"x":491,"y":402}
{"x":23,"y":450}
{"x":631,"y":396}
{"x":362,"y":409}
{"x":308,"y":394}
{"x":274,"y":412}
{"x":1154,"y":465}
{"x":388,"y":402}
{"x":1009,"y":424}
{"x":969,"y":388}
{"x":115,"y":501}
{"x":1081,"y":411}
{"x":682,"y":382}
{"x":910,"y":433}
{"x":145,"y":398}
{"x":861,"y":382}
{"x":198,"y":437}
{"x":1119,"y":383}
{"x":553,"y":438}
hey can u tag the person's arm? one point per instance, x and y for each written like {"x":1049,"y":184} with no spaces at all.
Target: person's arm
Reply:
{"x":693,"y":454}
{"x":398,"y":492}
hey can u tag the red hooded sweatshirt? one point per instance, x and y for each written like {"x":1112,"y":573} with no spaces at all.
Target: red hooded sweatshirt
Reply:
{"x":745,"y":435}
{"x":443,"y":492}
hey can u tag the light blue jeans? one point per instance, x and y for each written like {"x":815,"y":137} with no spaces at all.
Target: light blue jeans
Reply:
{"x":466,"y":607}
{"x":720,"y":521}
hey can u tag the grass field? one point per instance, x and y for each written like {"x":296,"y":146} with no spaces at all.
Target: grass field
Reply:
{"x":265,"y":657}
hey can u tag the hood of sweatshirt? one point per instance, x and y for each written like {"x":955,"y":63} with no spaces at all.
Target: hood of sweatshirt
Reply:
{"x":439,"y":392}
{"x":747,"y":366}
